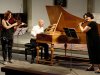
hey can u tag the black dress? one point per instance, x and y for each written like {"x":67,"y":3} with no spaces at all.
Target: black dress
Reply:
{"x":7,"y":42}
{"x":93,"y":43}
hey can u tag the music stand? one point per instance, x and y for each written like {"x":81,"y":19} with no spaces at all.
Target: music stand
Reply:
{"x":72,"y":36}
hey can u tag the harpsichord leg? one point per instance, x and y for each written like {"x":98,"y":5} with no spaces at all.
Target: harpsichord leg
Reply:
{"x":37,"y":57}
{"x":52,"y":54}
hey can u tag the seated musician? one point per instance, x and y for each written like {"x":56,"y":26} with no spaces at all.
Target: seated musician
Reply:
{"x":36,"y":30}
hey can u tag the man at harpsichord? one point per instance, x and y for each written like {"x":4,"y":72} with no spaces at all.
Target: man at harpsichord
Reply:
{"x":37,"y":29}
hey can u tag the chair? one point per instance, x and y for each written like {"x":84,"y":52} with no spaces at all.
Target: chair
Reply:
{"x":30,"y":50}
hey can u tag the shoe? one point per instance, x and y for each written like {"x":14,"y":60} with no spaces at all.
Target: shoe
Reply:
{"x":90,"y":69}
{"x":5,"y":62}
{"x":97,"y":71}
{"x":10,"y":61}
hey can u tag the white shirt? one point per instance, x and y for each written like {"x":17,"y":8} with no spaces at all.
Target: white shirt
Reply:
{"x":36,"y":30}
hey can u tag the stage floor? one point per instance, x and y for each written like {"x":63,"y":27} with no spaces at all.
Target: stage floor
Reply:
{"x":62,"y":68}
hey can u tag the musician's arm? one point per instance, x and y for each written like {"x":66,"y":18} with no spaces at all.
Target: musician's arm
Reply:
{"x":33,"y":32}
{"x":10,"y":25}
{"x":84,"y":29}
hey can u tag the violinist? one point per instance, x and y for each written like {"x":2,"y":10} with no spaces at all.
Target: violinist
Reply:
{"x":7,"y":37}
{"x":93,"y":41}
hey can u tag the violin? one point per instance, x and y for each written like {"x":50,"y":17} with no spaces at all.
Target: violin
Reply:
{"x":82,"y":23}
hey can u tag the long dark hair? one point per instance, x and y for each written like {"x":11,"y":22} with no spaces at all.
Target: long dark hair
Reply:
{"x":6,"y":14}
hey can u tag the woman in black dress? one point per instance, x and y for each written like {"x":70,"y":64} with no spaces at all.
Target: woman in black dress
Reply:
{"x":93,"y":41}
{"x":7,"y":37}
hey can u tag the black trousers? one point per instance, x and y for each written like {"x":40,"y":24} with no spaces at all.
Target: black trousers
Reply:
{"x":6,"y":48}
{"x":44,"y":45}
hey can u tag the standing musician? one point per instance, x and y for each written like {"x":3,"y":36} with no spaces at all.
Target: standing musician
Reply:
{"x":7,"y":36}
{"x":93,"y":41}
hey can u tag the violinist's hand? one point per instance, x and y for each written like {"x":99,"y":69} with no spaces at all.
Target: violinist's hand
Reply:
{"x":80,"y":24}
{"x":22,"y":23}
{"x":15,"y":24}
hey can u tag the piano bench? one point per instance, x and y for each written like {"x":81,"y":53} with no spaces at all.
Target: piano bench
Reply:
{"x":30,"y":50}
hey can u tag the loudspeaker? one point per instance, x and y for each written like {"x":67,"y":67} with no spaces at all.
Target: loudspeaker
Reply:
{"x":62,"y":3}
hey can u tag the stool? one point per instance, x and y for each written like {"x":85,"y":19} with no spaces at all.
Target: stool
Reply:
{"x":29,"y":48}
